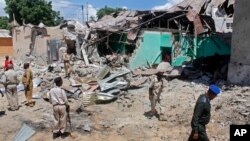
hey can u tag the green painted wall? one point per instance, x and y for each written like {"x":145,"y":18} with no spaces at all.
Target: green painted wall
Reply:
{"x":155,"y":44}
{"x":150,"y":50}
{"x":117,"y":44}
{"x":209,"y":46}
{"x":183,"y":48}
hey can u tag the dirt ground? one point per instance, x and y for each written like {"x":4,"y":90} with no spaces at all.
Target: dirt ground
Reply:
{"x":124,"y":120}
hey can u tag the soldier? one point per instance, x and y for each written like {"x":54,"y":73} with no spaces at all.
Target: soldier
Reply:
{"x":59,"y":101}
{"x":201,"y":115}
{"x":67,"y":66}
{"x":10,"y":81}
{"x":28,"y":84}
{"x":155,"y":89}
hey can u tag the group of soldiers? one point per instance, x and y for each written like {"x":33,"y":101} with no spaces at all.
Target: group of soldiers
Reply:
{"x":58,"y":98}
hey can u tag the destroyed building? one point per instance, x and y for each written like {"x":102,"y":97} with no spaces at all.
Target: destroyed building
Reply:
{"x":189,"y":31}
{"x":38,"y":41}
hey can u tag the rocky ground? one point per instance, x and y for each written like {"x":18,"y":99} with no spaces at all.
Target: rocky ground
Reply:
{"x":124,"y":120}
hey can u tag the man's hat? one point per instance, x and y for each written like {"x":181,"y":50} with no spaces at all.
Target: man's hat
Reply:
{"x":215,"y":89}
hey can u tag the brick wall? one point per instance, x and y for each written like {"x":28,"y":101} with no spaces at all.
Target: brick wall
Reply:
{"x":6,"y":47}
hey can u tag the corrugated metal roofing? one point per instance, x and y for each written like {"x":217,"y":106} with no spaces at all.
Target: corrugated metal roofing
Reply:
{"x":197,"y":5}
{"x":4,"y":33}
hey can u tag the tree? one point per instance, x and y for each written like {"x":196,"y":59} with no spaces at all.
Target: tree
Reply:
{"x":92,"y":18}
{"x":106,"y":11}
{"x":32,"y":11}
{"x":4,"y":22}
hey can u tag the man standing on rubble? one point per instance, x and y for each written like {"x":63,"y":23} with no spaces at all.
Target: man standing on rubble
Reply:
{"x":155,"y":88}
{"x":201,"y":115}
{"x":67,"y":66}
{"x":59,"y":101}
{"x":28,"y":84}
{"x":10,"y":82}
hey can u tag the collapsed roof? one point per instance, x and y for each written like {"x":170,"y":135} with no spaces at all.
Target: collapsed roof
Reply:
{"x":191,"y":16}
{"x":201,"y":6}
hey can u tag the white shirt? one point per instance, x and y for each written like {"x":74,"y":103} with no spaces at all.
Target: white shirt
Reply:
{"x":58,"y":96}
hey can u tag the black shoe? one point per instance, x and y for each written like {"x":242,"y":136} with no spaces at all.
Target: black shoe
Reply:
{"x":56,"y":135}
{"x":150,"y":114}
{"x":64,"y":135}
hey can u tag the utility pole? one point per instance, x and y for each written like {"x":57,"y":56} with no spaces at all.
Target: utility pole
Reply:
{"x":83,"y":14}
{"x":87,"y":11}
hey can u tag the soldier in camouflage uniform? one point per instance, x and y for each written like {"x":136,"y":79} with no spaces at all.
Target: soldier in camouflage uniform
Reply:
{"x":155,"y":89}
{"x":67,"y":66}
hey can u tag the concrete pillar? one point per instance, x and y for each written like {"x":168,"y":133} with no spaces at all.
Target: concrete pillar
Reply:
{"x":239,"y":66}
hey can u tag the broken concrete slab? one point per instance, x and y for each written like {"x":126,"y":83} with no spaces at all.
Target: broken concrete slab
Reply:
{"x":138,"y":82}
{"x":145,"y":72}
{"x":75,"y":83}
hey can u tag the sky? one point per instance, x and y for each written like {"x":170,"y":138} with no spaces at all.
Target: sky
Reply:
{"x":72,"y":9}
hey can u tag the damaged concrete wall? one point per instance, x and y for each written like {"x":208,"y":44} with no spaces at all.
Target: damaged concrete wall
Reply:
{"x":41,"y":44}
{"x":150,"y":49}
{"x":41,"y":50}
{"x":21,"y":41}
{"x":239,"y":66}
{"x":55,"y":32}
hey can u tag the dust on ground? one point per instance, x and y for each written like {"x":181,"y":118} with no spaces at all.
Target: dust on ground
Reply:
{"x":124,"y":120}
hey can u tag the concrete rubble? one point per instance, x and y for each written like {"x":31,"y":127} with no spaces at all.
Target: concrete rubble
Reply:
{"x":103,"y":83}
{"x":107,"y":75}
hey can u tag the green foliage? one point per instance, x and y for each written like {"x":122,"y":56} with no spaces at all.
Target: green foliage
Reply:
{"x":106,"y":11}
{"x":4,"y":22}
{"x":32,"y":11}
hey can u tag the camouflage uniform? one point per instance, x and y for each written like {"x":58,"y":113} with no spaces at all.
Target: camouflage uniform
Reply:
{"x":155,"y":89}
{"x":67,"y":65}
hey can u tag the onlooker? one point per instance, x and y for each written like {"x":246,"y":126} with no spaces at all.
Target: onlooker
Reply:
{"x":10,"y":82}
{"x":28,"y":84}
{"x":59,"y":101}
{"x":7,"y":62}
